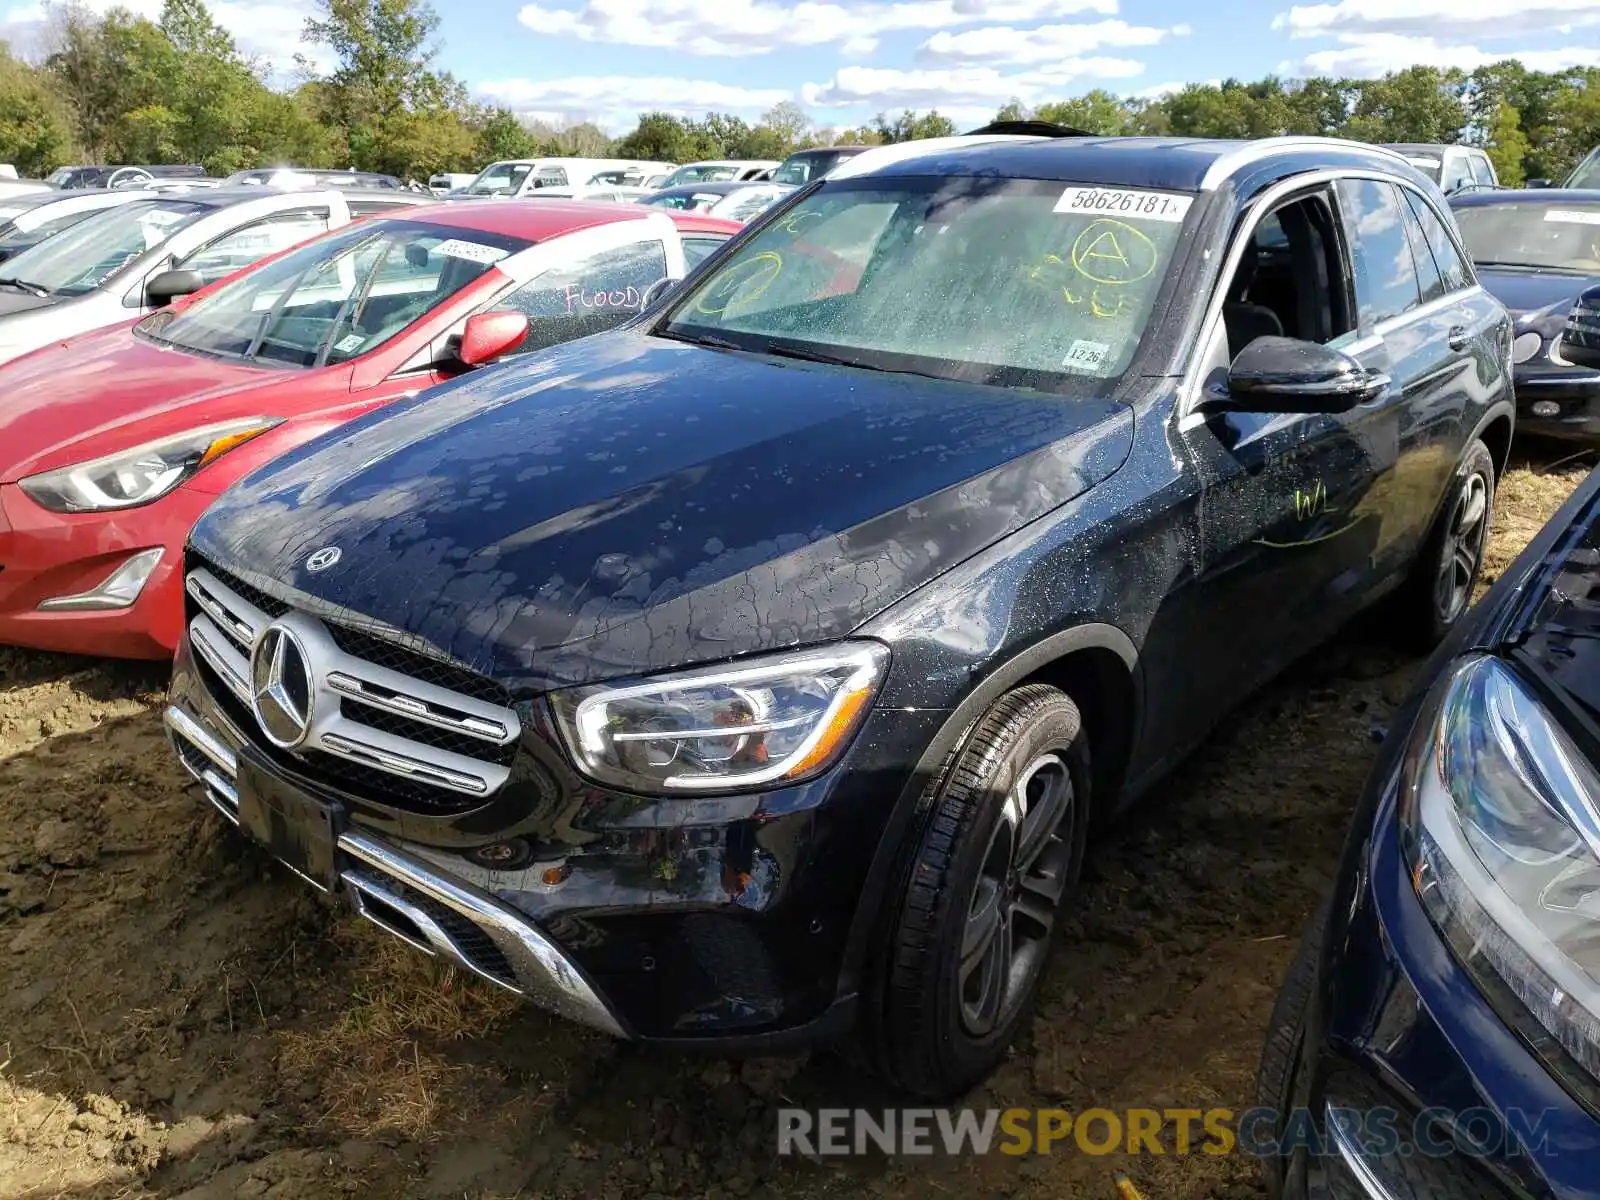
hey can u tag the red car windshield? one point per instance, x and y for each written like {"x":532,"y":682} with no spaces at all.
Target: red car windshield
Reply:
{"x":336,"y":298}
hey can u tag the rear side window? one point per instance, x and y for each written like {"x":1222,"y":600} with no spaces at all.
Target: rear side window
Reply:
{"x":588,"y":295}
{"x":1429,"y":282}
{"x":1482,"y":171}
{"x":1452,"y":267}
{"x":254,"y":241}
{"x":1386,"y":273}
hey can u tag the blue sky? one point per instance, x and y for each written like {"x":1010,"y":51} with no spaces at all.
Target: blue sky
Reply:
{"x":844,"y":60}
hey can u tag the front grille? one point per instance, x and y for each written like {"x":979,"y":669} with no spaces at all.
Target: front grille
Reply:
{"x":366,"y":728}
{"x":383,"y":653}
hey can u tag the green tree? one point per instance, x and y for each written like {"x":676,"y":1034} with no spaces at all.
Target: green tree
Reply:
{"x":1097,"y":112}
{"x":1419,"y":104}
{"x":1012,"y":110}
{"x":659,"y":137}
{"x":502,"y":136}
{"x":912,"y":126}
{"x":35,"y":126}
{"x":1507,"y":146}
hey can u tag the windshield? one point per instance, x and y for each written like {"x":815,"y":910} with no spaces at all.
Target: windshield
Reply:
{"x":14,"y":240}
{"x":82,"y":258}
{"x":336,"y":298}
{"x":499,"y":179}
{"x":1563,"y":236}
{"x":746,"y":204}
{"x":1587,"y":174}
{"x":701,"y":173}
{"x":1018,"y":283}
{"x":1430,"y":165}
{"x":684,"y":201}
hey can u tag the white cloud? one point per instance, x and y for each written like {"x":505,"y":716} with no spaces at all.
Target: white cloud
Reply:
{"x":961,"y":90}
{"x":1365,"y":55}
{"x":1462,"y":18}
{"x":270,"y":32}
{"x":615,"y":101}
{"x":742,"y":27}
{"x":1047,"y":43}
{"x":1160,"y":91}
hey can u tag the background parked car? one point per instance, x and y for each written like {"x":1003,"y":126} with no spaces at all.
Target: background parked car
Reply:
{"x":1536,"y":250}
{"x":447,"y":181}
{"x":291,"y":178}
{"x":101,"y":271}
{"x":733,"y":201}
{"x":28,"y":220}
{"x":124,"y":176}
{"x":803,"y":166}
{"x":719,"y":170}
{"x":524,"y":176}
{"x":112,"y":443}
{"x":1454,"y":168}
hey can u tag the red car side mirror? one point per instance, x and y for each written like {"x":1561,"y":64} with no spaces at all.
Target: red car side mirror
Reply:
{"x":486,"y":336}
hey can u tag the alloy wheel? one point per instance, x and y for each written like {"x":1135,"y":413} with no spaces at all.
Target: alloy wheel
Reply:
{"x":1013,"y":909}
{"x":1462,"y":552}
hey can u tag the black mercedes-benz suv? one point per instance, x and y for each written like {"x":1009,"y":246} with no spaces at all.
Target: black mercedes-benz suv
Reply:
{"x":754,"y":674}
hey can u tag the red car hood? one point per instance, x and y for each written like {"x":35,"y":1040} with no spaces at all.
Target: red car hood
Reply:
{"x":109,"y":390}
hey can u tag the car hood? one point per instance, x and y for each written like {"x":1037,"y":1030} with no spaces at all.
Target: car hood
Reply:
{"x":1529,"y":295}
{"x":88,"y":396}
{"x":628,"y":503}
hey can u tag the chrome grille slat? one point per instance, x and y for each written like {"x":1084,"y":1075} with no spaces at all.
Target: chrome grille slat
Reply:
{"x":224,"y":628}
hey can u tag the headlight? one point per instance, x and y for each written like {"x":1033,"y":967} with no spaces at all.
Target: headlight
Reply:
{"x":142,"y":474}
{"x":741,"y":725}
{"x":1525,"y":346}
{"x":1503,"y":836}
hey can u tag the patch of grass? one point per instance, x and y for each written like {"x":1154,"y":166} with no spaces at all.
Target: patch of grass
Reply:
{"x":381,"y":1063}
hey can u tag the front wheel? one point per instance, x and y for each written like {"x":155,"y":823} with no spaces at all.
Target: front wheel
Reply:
{"x":1001,"y":847}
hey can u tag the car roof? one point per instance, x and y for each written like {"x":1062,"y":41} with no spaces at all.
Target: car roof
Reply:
{"x":1550,"y":197}
{"x":537,"y":220}
{"x":1176,"y":164}
{"x":1426,"y":147}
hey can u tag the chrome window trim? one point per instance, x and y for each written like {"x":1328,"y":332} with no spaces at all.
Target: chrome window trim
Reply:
{"x":1192,"y":381}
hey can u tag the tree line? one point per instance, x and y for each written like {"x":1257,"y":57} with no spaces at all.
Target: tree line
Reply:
{"x":120,"y":88}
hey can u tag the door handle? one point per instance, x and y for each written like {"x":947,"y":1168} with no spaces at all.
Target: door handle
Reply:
{"x":1458,"y":338}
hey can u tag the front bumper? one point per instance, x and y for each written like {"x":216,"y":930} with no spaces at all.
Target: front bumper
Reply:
{"x":1574,"y":391}
{"x":1396,"y":1026}
{"x":414,"y":901}
{"x":46,"y":557}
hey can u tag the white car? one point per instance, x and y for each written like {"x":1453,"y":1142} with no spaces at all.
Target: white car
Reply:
{"x":27,"y":220}
{"x":720,"y":170}
{"x":531,"y":176}
{"x":99,"y":271}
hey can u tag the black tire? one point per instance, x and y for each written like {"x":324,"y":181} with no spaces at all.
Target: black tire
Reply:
{"x":1424,"y":618}
{"x":1286,"y":1031}
{"x":942,"y":1025}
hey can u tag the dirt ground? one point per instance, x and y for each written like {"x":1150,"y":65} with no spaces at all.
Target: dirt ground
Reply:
{"x":179,"y":1017}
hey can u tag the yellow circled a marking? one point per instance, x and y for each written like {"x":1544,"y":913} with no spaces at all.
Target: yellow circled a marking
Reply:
{"x":1115,"y":254}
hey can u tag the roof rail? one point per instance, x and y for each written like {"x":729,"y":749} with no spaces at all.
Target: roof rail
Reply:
{"x":1228,"y":163}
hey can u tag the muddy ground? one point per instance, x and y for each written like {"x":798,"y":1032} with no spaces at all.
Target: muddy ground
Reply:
{"x":180,"y":1018}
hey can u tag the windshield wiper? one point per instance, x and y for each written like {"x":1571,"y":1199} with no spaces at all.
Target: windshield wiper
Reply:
{"x":22,"y":285}
{"x":704,"y":339}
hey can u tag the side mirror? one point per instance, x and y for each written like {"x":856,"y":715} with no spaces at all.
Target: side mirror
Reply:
{"x":488,"y":335}
{"x":1580,"y":340}
{"x":1286,"y":375}
{"x":166,"y":287}
{"x":658,"y":290}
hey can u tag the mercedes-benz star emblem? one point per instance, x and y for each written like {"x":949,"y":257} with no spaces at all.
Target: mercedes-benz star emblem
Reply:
{"x":322,"y":559}
{"x":280,"y":687}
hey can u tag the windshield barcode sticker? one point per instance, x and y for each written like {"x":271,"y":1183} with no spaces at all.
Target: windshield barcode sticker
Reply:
{"x":1573,"y":216}
{"x":1122,"y":202}
{"x":1087,"y":357}
{"x":471,"y":251}
{"x":349,"y":342}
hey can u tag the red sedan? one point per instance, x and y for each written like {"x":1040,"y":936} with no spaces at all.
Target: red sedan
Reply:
{"x":111,"y":444}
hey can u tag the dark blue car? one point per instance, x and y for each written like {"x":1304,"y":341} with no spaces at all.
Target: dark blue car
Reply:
{"x":1439,"y":1033}
{"x":1535,"y":251}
